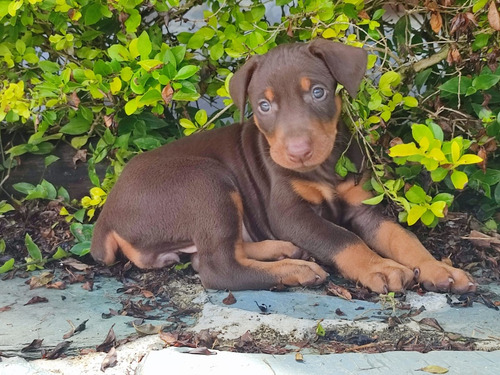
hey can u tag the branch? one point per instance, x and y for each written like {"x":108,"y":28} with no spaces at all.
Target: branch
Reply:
{"x":432,"y":60}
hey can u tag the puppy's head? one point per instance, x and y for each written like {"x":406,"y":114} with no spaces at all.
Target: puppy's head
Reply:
{"x":292,"y":93}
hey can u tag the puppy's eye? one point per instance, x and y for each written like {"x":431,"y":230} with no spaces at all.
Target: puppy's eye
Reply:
{"x":264,"y":106}
{"x":318,"y":92}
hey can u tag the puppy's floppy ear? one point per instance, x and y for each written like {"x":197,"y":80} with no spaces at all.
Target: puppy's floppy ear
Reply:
{"x":346,"y":64}
{"x":238,"y":85}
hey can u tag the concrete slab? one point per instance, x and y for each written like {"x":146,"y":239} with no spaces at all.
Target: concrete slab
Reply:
{"x":291,"y":316}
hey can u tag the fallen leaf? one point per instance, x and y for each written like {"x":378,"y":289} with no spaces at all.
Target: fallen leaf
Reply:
{"x":81,"y":327}
{"x":299,"y":357}
{"x":108,"y":342}
{"x":436,"y":22}
{"x":431,"y":322}
{"x":483,"y":155}
{"x":201,"y":350}
{"x":147,"y":294}
{"x":483,"y":240}
{"x":58,"y":350}
{"x":169,"y":337}
{"x":147,"y":329}
{"x":433,"y":369}
{"x":110,"y":360}
{"x":77,"y":265}
{"x":494,"y":16}
{"x":88,"y":285}
{"x":6,"y":308}
{"x":262,"y":307}
{"x":36,"y":299}
{"x":80,"y":155}
{"x":229,"y":300}
{"x":41,"y":280}
{"x":35,"y":344}
{"x":57,"y":285}
{"x":338,"y":291}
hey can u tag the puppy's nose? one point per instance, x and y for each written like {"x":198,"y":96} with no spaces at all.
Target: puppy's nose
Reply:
{"x":299,"y":149}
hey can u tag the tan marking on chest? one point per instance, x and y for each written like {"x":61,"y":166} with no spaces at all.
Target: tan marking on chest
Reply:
{"x":313,"y":192}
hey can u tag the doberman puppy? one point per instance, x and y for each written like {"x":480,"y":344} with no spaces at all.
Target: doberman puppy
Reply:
{"x":253,"y":201}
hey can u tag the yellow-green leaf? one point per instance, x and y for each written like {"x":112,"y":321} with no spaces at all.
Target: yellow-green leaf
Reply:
{"x":115,"y":85}
{"x":375,"y":200}
{"x":459,"y":179}
{"x":403,"y":150}
{"x":320,"y":331}
{"x":469,"y":159}
{"x":415,"y":213}
{"x":455,"y":151}
{"x":186,"y":124}
{"x":410,"y":101}
{"x":131,"y":106}
{"x":438,"y":207}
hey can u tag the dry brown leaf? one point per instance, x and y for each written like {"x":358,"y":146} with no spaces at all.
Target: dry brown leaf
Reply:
{"x":201,"y":350}
{"x":431,"y":322}
{"x":494,"y":16}
{"x":41,"y":280}
{"x":109,"y":341}
{"x":299,"y":357}
{"x":147,"y":329}
{"x":147,"y":294}
{"x":77,"y":265}
{"x":483,"y":240}
{"x":109,"y":120}
{"x":36,"y":299}
{"x":80,"y":155}
{"x":339,"y":291}
{"x":436,"y":22}
{"x":229,"y":300}
{"x":167,"y":94}
{"x":482,"y":154}
{"x":6,"y":308}
{"x":34,"y":345}
{"x":169,"y":337}
{"x":58,"y":350}
{"x":110,"y":360}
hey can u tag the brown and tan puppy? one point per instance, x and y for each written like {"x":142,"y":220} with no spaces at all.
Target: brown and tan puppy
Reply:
{"x":250,"y":201}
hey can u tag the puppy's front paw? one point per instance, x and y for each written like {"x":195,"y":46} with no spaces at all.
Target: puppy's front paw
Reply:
{"x":387,"y":276}
{"x":434,"y":275}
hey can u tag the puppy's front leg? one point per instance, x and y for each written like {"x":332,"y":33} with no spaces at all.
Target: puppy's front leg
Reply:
{"x":393,"y":241}
{"x":295,"y":220}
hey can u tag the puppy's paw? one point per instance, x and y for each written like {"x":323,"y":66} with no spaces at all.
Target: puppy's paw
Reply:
{"x":434,"y":275}
{"x":387,"y":276}
{"x":302,"y":273}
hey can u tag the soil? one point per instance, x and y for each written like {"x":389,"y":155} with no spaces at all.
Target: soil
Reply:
{"x":178,"y":288}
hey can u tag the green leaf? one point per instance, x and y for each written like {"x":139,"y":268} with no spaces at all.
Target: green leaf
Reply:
{"x":485,"y":81}
{"x":375,"y":200}
{"x":76,"y":126}
{"x":7,"y":266}
{"x":459,"y":179}
{"x":410,"y":101}
{"x":144,"y":45}
{"x":201,"y":117}
{"x":456,"y":85}
{"x":50,"y":159}
{"x":388,"y":80}
{"x":23,"y":187}
{"x":131,"y":106}
{"x":4,"y":207}
{"x":2,"y":246}
{"x":151,"y":97}
{"x":119,"y":53}
{"x":320,"y":331}
{"x":81,"y":248}
{"x":420,"y":131}
{"x":421,"y":77}
{"x":92,"y":14}
{"x":151,"y":64}
{"x":147,"y":143}
{"x":50,"y":189}
{"x":445,"y":197}
{"x":480,"y":41}
{"x":416,"y":194}
{"x":428,"y":217}
{"x":439,"y":174}
{"x":133,"y":21}
{"x":433,"y":369}
{"x":415,"y":213}
{"x":49,"y":66}
{"x":33,"y":249}
{"x":436,"y":130}
{"x":186,"y":123}
{"x":216,"y":51}
{"x":60,"y":253}
{"x":185,"y":72}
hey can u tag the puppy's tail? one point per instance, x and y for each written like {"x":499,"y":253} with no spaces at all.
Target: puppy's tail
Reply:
{"x":104,"y":246}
